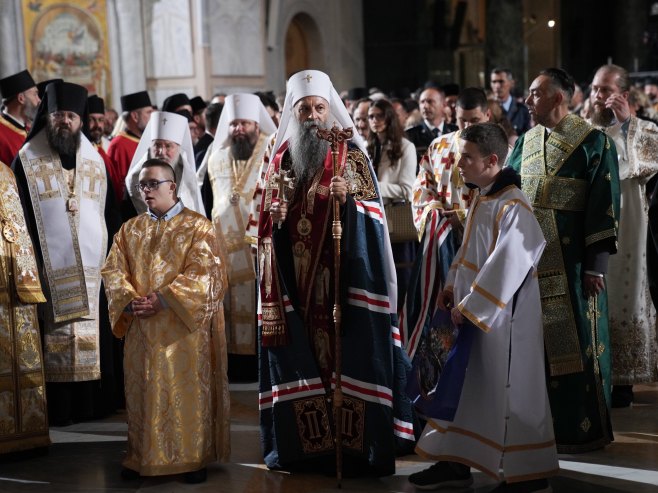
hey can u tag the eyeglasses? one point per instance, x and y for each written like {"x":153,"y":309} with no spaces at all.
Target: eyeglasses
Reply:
{"x":148,"y":186}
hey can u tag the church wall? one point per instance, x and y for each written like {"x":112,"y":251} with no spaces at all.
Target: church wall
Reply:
{"x":206,"y":46}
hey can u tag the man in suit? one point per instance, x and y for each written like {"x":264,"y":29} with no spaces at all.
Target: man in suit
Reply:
{"x":502,"y":83}
{"x":432,"y":102}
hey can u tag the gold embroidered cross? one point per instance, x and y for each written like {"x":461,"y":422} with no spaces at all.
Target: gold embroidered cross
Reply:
{"x":308,"y":78}
{"x":94,"y":174}
{"x":45,"y":173}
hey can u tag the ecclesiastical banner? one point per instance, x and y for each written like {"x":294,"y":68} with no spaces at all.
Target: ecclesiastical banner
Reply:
{"x":68,"y":40}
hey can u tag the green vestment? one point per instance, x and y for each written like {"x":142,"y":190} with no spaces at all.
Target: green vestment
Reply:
{"x":571,"y":177}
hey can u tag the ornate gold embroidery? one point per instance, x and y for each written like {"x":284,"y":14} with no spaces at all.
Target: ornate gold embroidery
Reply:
{"x":313,"y":425}
{"x":608,"y":233}
{"x":353,"y":423}
{"x":586,"y":425}
{"x":357,"y":174}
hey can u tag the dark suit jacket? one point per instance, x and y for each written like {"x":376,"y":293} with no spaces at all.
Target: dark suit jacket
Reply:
{"x":652,"y":239}
{"x":519,"y":117}
{"x":201,"y":147}
{"x":421,"y":136}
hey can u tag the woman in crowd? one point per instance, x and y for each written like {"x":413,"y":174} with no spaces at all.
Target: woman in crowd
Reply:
{"x":394,"y":160}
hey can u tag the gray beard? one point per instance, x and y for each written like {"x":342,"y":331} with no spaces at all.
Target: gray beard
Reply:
{"x":307,"y":150}
{"x":602,"y":118}
{"x":62,"y":141}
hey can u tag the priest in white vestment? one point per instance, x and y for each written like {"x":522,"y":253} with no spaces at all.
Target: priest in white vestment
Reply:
{"x":502,"y":425}
{"x":64,"y":189}
{"x":632,"y":315}
{"x":229,"y":175}
{"x":167,"y":137}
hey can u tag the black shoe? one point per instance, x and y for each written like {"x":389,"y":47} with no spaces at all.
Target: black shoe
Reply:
{"x":442,"y":474}
{"x":622,"y":396}
{"x":129,"y":474}
{"x":196,"y":477}
{"x":534,"y":486}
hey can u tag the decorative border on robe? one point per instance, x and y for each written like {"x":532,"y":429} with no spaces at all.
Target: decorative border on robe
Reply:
{"x":560,"y":330}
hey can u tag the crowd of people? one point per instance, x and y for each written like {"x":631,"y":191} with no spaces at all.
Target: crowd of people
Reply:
{"x":358,"y":251}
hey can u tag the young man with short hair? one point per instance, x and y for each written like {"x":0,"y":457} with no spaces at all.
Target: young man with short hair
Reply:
{"x":492,"y":293}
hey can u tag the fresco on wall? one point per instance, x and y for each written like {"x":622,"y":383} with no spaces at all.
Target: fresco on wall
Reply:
{"x":68,"y":40}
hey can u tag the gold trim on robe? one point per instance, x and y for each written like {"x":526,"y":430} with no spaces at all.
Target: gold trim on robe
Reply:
{"x":230,"y":218}
{"x":73,"y":244}
{"x":541,"y":160}
{"x":23,"y":410}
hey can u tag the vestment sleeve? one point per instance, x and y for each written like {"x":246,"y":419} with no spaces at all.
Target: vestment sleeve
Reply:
{"x":602,"y":209}
{"x":118,"y":286}
{"x":194,"y":294}
{"x":516,"y":252}
{"x":425,"y":189}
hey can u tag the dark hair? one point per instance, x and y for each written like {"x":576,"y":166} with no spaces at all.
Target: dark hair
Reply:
{"x":160,"y":163}
{"x":503,"y":70}
{"x":394,"y":132}
{"x":623,"y":82}
{"x":561,"y":81}
{"x":471,"y":98}
{"x":490,"y":138}
{"x":268,"y":99}
{"x":411,"y":104}
{"x":213,"y":112}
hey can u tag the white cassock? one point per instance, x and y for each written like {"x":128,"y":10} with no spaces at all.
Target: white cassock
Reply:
{"x":503,"y":417}
{"x":632,"y":315}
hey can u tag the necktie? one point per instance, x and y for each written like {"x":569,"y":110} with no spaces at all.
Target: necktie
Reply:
{"x":435,"y":132}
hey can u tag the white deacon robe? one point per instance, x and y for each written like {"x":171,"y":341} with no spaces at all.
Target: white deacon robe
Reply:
{"x":632,"y":315}
{"x":503,"y":417}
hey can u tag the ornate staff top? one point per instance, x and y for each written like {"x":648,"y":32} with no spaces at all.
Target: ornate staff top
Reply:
{"x":335,"y":135}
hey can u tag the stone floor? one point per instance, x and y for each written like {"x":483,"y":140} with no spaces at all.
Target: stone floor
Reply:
{"x":86,"y":457}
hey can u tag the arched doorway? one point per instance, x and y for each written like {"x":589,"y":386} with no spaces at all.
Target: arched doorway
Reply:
{"x":303,"y":48}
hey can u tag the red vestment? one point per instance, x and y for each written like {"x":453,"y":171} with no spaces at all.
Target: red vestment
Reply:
{"x":121,"y":151}
{"x":11,"y":140}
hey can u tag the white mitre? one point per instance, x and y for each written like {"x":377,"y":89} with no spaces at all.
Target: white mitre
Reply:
{"x":242,"y":106}
{"x":175,"y":128}
{"x":314,"y":83}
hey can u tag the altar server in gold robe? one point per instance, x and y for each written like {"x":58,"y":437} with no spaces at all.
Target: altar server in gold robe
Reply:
{"x":165,"y":282}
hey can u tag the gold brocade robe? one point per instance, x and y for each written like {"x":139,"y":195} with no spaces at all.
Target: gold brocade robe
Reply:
{"x":177,"y":396}
{"x":23,"y":415}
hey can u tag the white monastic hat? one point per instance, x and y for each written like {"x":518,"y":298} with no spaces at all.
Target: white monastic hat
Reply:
{"x":314,"y":83}
{"x":175,"y":128}
{"x":243,"y":106}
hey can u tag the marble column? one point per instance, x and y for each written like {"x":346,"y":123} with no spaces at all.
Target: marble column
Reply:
{"x":631,"y":22}
{"x":127,"y":57}
{"x":12,"y":41}
{"x":504,"y":44}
